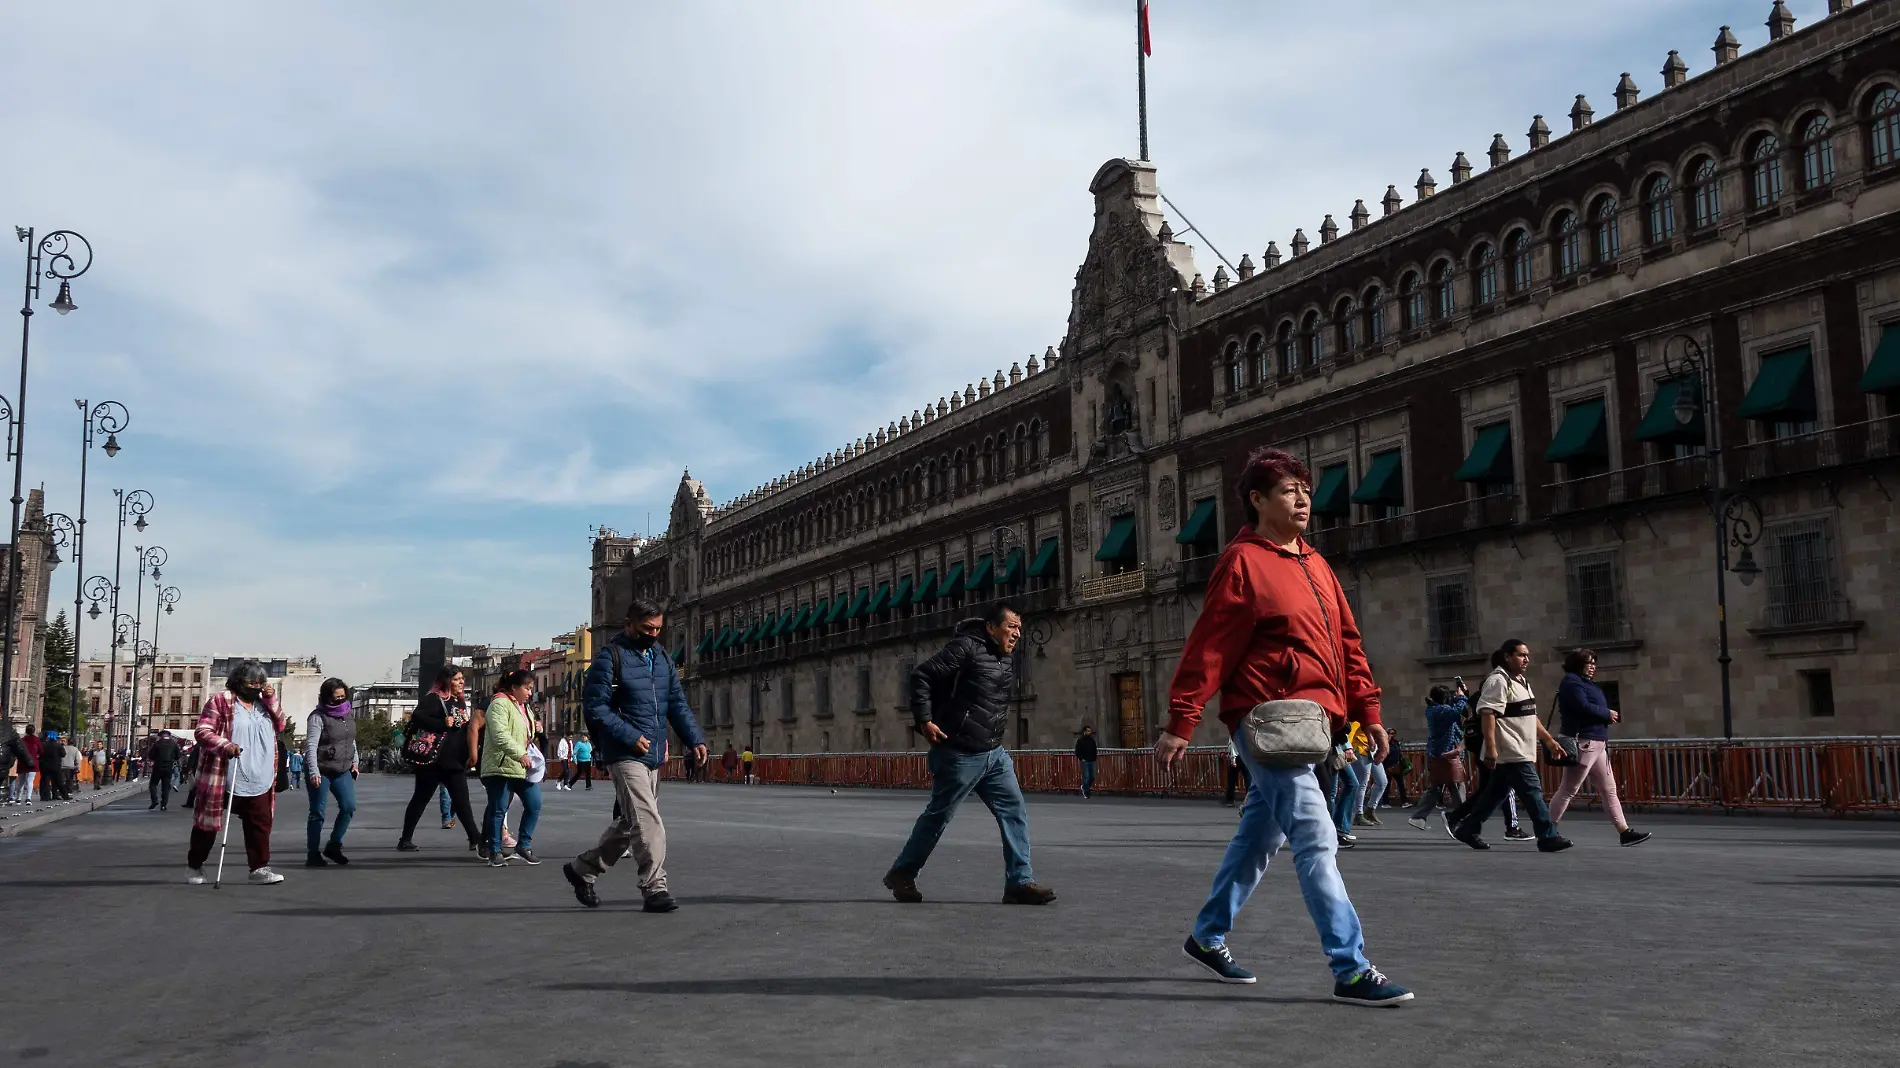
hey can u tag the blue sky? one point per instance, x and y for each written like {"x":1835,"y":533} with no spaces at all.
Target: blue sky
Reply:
{"x":404,"y":297}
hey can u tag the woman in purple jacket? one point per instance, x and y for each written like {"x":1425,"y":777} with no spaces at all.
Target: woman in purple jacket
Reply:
{"x":1587,"y":716}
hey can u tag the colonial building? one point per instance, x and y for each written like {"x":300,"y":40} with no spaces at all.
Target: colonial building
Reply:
{"x":171,"y":691}
{"x":37,"y":561}
{"x":1554,"y":399}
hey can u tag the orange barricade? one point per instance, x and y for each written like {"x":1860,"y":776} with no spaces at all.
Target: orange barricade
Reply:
{"x":1835,"y":775}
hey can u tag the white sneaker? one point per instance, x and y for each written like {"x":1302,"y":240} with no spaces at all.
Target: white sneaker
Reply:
{"x":263,"y":876}
{"x":196,"y":876}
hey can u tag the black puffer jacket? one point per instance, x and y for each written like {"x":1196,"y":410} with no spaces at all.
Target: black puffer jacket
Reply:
{"x":965,"y":690}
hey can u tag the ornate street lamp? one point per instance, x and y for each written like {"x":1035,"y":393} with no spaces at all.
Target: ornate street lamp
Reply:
{"x":131,"y":504}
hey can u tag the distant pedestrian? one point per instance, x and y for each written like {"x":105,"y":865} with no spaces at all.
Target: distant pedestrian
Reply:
{"x":443,"y":716}
{"x":166,"y":754}
{"x":960,"y":702}
{"x":1473,"y":727}
{"x":69,"y":770}
{"x":746,"y":759}
{"x":730,"y":761}
{"x":296,"y":764}
{"x":1444,"y":754}
{"x":26,"y":766}
{"x":1346,"y":784}
{"x":1397,"y":766}
{"x":12,"y":761}
{"x":327,"y":768}
{"x":583,"y":763}
{"x":1512,"y":732}
{"x":52,"y":764}
{"x":1275,"y":626}
{"x":1371,"y":785}
{"x":563,"y":752}
{"x":237,"y":741}
{"x":505,"y":764}
{"x":1085,"y":754}
{"x":632,"y":695}
{"x":98,"y":767}
{"x":1587,"y":717}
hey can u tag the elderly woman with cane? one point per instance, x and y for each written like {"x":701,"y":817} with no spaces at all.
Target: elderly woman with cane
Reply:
{"x":237,"y":771}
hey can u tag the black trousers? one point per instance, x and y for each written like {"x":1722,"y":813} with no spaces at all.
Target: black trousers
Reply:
{"x":1236,"y":774}
{"x":161,"y":787}
{"x":1518,"y":776}
{"x":429,"y":779}
{"x":1476,"y":790}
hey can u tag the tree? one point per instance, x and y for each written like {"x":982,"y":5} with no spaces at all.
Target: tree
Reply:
{"x":57,"y":653}
{"x":373,"y":733}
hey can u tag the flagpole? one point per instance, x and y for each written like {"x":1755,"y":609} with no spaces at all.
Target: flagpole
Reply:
{"x":1141,"y":70}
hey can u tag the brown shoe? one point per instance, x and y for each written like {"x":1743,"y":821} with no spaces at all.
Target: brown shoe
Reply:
{"x":903,"y":888}
{"x":1028,"y":894}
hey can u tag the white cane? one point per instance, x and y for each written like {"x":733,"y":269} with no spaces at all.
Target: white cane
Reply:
{"x":230,"y":798}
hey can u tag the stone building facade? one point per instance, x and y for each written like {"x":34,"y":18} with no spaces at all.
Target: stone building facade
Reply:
{"x":31,"y":612}
{"x":1507,"y":390}
{"x":171,"y":691}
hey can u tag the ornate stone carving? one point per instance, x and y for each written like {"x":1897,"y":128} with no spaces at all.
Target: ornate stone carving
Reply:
{"x":1164,"y":502}
{"x":1080,"y":535}
{"x":1170,"y":621}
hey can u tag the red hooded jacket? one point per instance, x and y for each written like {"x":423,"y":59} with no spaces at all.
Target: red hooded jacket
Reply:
{"x":1275,"y":626}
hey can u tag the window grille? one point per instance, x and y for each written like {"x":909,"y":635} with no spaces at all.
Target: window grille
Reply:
{"x":1800,"y":567}
{"x":1452,"y":630}
{"x":1597,"y":614}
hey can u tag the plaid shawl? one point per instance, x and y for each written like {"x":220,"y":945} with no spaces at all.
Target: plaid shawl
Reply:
{"x":214,"y":757}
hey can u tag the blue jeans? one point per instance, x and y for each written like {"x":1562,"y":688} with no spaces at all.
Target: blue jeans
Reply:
{"x":1285,"y":807}
{"x":1342,"y":799}
{"x":1375,"y":774}
{"x":954,"y":776}
{"x":1088,"y":777}
{"x":344,"y":788}
{"x":499,"y":787}
{"x":446,"y":810}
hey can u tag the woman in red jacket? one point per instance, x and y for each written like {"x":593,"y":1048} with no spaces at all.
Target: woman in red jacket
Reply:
{"x":1275,"y":626}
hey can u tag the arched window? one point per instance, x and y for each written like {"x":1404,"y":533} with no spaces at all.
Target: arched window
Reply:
{"x":1883,"y":126}
{"x":1764,"y":172}
{"x":1035,"y":441}
{"x":1411,"y":302}
{"x":1309,"y":339}
{"x":1609,"y":239}
{"x":1346,"y":325}
{"x":1659,"y":209}
{"x":1484,"y":274}
{"x":1517,"y":250}
{"x":1817,"y":153}
{"x":1567,"y":245}
{"x":1283,"y":349}
{"x":1236,"y":371}
{"x":1375,"y":315}
{"x":1705,"y":195}
{"x":1257,"y":365}
{"x":1444,"y":303}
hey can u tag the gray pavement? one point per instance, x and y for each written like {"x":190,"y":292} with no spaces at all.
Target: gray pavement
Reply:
{"x":1722,"y":942}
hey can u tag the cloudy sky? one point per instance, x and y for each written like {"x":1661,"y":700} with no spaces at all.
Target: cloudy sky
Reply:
{"x":403,"y":297}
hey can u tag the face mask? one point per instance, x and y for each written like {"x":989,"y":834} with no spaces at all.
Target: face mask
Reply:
{"x":642,"y":641}
{"x":250,"y":693}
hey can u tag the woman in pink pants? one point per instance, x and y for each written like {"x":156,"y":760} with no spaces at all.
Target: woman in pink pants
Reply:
{"x":1587,"y":716}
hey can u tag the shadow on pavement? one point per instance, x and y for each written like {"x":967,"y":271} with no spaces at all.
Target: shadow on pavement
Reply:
{"x":921,"y":989}
{"x":1864,"y":882}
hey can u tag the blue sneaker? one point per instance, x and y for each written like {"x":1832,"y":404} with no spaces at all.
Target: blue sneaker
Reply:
{"x":1371,"y":987}
{"x":1218,"y":960}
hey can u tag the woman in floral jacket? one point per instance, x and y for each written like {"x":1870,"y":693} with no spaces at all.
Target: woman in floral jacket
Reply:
{"x":237,"y":754}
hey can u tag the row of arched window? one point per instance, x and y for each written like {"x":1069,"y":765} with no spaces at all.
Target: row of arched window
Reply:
{"x":954,"y":473}
{"x":1577,"y":241}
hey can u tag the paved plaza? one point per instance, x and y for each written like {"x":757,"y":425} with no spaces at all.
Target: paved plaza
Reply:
{"x":1745,"y":941}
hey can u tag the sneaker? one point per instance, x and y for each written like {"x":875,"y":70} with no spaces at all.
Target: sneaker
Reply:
{"x":507,"y":840}
{"x":527,"y":857}
{"x":1347,"y":841}
{"x":334,"y":853}
{"x":1218,"y":960}
{"x":1028,"y":894}
{"x":151,"y":806}
{"x":1370,"y":987}
{"x":1472,"y":840}
{"x":406,"y":846}
{"x":446,"y":824}
{"x":1370,"y":818}
{"x":265,"y":876}
{"x":195,"y":876}
{"x":315,"y":860}
{"x":481,"y":850}
{"x":903,"y":888}
{"x":1556,"y":843}
{"x":583,"y":890}
{"x":1518,"y":834}
{"x":660,"y":901}
{"x":1631,"y":836}
{"x":498,"y":860}
{"x":1451,"y":829}
{"x":1418,"y":823}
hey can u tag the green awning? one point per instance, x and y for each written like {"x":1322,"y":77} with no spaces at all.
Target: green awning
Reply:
{"x":1784,"y":390}
{"x":820,"y":611}
{"x":1012,"y":568}
{"x":881,"y":600}
{"x":1883,"y":371}
{"x":858,"y":603}
{"x":952,"y":580}
{"x":1490,"y":459}
{"x":1045,"y":561}
{"x":901,"y":595}
{"x":1581,"y":436}
{"x":1384,"y":483}
{"x":1660,"y":425}
{"x":1199,"y":525}
{"x":1333,"y":497}
{"x":679,"y":654}
{"x":724,"y":639}
{"x":747,"y":635}
{"x":838,"y":606}
{"x":785,"y":621}
{"x":1119,"y":542}
{"x":802,"y":619}
{"x":704,"y":641}
{"x":926,"y":588}
{"x":983,"y":574}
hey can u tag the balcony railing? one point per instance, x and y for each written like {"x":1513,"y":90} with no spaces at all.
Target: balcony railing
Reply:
{"x":1494,"y":510}
{"x":1196,"y":570}
{"x":1126,"y":584}
{"x":1875,"y":439}
{"x":1682,"y":474}
{"x":922,"y":624}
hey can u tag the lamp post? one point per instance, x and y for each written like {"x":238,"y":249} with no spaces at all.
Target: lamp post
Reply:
{"x":1737,"y":515}
{"x":149,"y":559}
{"x":96,"y":589}
{"x":134,"y":503}
{"x":107,"y":417}
{"x":62,"y":255}
{"x":122,"y":633}
{"x":65,"y":532}
{"x":163,"y":597}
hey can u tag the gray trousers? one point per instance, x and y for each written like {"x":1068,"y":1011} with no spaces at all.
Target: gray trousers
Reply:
{"x":639,"y":829}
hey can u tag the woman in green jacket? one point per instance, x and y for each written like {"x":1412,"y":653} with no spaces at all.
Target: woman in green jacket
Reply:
{"x":504,"y":768}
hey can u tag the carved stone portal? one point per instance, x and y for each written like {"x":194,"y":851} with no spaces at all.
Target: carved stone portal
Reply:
{"x":1164,"y":505}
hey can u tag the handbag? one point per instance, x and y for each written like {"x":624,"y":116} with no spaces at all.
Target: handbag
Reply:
{"x":1573,"y":754}
{"x":1287,"y":734}
{"x":421,"y":747}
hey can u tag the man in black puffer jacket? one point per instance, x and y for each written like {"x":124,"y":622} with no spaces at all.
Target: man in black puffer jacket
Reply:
{"x":960,"y":700}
